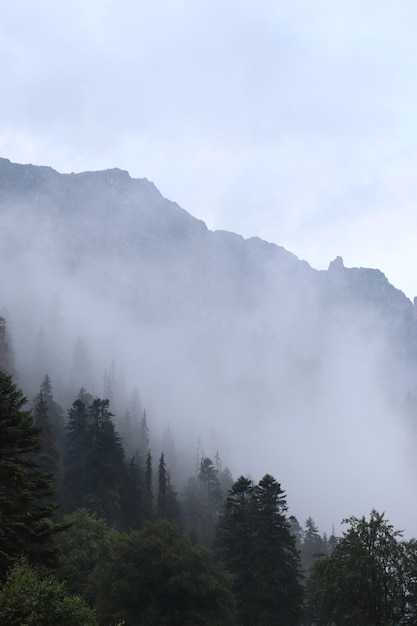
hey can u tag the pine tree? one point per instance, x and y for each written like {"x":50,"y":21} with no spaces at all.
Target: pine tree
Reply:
{"x":75,"y":455}
{"x":148,"y":493}
{"x":55,"y":412}
{"x":162,"y":503}
{"x":275,"y":558}
{"x":234,"y":543}
{"x":49,"y":453}
{"x":25,"y":513}
{"x":104,"y":463}
{"x":255,"y":540}
{"x":209,"y":501}
{"x":132,"y":495}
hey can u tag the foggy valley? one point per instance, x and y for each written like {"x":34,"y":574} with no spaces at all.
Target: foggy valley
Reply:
{"x":208,"y":314}
{"x":235,"y":346}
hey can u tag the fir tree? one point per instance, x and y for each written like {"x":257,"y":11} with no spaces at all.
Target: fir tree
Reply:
{"x":209,"y":501}
{"x":234,"y":541}
{"x":25,"y":513}
{"x":132,"y":495}
{"x":49,"y":454}
{"x":105,"y":463}
{"x":75,"y":455}
{"x":148,"y":492}
{"x":162,"y":504}
{"x":255,"y":540}
{"x":55,"y":412}
{"x":275,"y":558}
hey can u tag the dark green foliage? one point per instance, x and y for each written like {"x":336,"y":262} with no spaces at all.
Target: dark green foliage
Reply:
{"x":49,"y":454}
{"x":83,"y":545}
{"x":156,"y":576}
{"x":29,"y":599}
{"x":148,"y":492}
{"x":104,"y":464}
{"x":167,"y":504}
{"x":277,"y":565}
{"x":162,"y":504}
{"x":75,"y":456}
{"x":235,"y":545}
{"x":256,"y":543}
{"x":96,"y":474}
{"x":370,"y":578}
{"x":132,"y":495}
{"x":25,"y":514}
{"x":54,"y":410}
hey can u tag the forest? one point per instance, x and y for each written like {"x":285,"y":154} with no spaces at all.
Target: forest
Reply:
{"x":94,"y":531}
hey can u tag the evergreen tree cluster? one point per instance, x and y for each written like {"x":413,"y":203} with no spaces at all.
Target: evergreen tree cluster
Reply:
{"x":92,"y":531}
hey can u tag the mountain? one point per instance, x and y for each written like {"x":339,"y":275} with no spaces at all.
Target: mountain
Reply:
{"x":222,"y":335}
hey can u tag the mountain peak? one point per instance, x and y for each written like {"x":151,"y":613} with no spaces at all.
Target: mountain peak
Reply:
{"x":336,"y":265}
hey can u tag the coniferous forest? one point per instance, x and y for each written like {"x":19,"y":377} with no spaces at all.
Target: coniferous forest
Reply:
{"x":95,"y":530}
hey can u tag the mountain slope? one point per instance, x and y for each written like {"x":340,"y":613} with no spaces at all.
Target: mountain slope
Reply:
{"x":231,"y":339}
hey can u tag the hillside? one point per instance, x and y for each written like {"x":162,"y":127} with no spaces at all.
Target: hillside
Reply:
{"x":235,"y":341}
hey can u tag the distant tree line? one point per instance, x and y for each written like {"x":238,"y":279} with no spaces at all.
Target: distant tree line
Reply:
{"x":92,"y":534}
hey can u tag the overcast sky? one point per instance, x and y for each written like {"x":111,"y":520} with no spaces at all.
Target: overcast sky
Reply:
{"x":293,"y":120}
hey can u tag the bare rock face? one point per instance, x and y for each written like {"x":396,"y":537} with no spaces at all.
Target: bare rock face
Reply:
{"x":110,"y":225}
{"x":336,"y":265}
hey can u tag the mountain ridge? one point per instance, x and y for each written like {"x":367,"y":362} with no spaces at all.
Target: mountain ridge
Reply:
{"x":33,"y":182}
{"x":230,"y":339}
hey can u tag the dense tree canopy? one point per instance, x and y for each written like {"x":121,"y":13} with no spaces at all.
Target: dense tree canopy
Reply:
{"x":84,"y":544}
{"x":255,"y":541}
{"x":370,"y":578}
{"x":157,"y":576}
{"x":120,"y":552}
{"x":29,"y":599}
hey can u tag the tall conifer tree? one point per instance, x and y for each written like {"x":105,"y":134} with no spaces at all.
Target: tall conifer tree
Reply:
{"x":148,"y":494}
{"x":162,"y":505}
{"x":105,"y":463}
{"x":75,"y":455}
{"x":25,"y":513}
{"x":256,"y":543}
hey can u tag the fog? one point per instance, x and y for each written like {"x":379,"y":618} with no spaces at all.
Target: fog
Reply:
{"x":234,"y":345}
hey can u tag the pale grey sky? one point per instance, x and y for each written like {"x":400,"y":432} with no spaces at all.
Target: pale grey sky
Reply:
{"x":293,"y":120}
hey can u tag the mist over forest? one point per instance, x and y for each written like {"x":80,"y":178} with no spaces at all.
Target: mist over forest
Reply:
{"x":231,"y":346}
